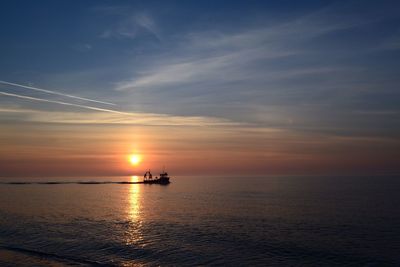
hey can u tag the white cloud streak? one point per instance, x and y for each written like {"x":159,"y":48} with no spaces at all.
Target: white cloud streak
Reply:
{"x":219,"y":57}
{"x":54,"y":92}
{"x":62,"y":103}
{"x":131,"y":26}
{"x":114,"y":116}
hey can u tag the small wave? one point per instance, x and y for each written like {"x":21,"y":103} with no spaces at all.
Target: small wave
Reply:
{"x":52,"y":257}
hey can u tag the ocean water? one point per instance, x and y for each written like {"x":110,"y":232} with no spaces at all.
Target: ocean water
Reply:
{"x":264,"y":221}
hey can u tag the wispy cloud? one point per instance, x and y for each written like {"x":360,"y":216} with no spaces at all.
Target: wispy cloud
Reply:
{"x":391,"y":43}
{"x":61,"y":103}
{"x":54,"y":92}
{"x":106,"y":116}
{"x":148,"y":23}
{"x":300,"y":71}
{"x":82,"y":47}
{"x":131,"y":26}
{"x":215,"y":56}
{"x":145,"y":119}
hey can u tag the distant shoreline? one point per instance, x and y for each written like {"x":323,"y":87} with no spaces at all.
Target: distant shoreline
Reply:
{"x":56,"y":183}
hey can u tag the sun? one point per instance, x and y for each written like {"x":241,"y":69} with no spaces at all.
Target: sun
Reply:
{"x":134,"y":159}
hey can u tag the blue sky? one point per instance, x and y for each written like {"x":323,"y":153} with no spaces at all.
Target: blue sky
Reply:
{"x":326,"y":67}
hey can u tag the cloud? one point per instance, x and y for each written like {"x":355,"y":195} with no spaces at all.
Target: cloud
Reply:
{"x":105,"y":116}
{"x":147,"y":22}
{"x":311,"y":70}
{"x":131,"y":26}
{"x":82,"y":47}
{"x":377,"y":112}
{"x":54,"y":92}
{"x":61,"y":103}
{"x":391,"y":43}
{"x":246,"y":55}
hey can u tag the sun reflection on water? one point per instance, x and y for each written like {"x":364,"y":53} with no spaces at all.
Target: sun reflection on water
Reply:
{"x":134,"y":232}
{"x":134,"y":200}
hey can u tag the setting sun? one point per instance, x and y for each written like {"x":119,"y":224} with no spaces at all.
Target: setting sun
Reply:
{"x":134,"y":159}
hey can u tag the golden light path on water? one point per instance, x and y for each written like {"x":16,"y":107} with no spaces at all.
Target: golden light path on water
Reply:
{"x":134,"y":233}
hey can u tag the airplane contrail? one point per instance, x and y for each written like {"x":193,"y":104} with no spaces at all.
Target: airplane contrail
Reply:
{"x":64,"y":103}
{"x":54,"y":92}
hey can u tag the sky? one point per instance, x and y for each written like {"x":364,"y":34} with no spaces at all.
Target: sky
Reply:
{"x":202,"y":87}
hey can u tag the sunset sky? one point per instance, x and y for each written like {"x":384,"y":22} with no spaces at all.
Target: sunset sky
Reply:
{"x":202,"y":87}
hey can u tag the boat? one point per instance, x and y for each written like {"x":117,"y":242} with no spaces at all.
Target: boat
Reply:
{"x":163,"y":179}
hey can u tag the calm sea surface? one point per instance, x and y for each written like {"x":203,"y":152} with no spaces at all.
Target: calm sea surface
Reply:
{"x":270,"y":221}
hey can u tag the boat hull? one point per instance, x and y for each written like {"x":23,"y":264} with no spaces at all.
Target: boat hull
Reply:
{"x":157,"y":181}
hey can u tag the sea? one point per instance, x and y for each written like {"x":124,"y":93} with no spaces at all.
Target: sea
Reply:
{"x":201,"y":221}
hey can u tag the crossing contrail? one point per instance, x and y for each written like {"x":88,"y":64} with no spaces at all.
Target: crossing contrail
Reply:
{"x":54,"y":92}
{"x":64,"y":103}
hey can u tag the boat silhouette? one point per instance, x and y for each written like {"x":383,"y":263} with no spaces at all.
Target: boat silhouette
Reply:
{"x":163,"y":179}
